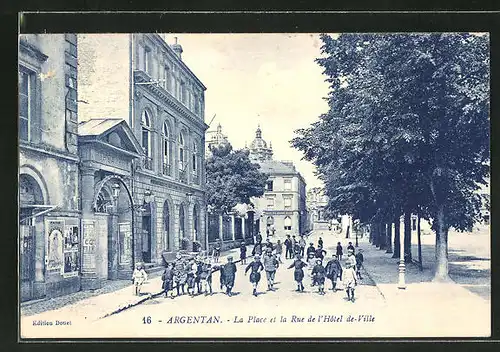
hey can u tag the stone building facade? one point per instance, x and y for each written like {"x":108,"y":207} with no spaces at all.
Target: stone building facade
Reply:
{"x":282,"y":209}
{"x":142,"y":80}
{"x":317,"y":202}
{"x":49,"y":216}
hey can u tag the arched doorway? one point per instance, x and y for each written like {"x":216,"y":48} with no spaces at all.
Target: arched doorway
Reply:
{"x":166,"y":227}
{"x":182,"y":224}
{"x":30,"y":195}
{"x":146,"y":233}
{"x":113,"y":209}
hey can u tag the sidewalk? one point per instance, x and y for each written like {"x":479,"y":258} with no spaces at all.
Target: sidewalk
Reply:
{"x":113,"y":298}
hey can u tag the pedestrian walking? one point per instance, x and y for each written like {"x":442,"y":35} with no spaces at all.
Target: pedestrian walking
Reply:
{"x":199,"y":269}
{"x":279,"y":251}
{"x":320,"y":242}
{"x":298,"y":273}
{"x":191,"y":270}
{"x":339,"y":251}
{"x":229,"y":275}
{"x":256,"y":266}
{"x":359,"y":263}
{"x":319,"y":275}
{"x":350,"y":247}
{"x":168,"y":280}
{"x":288,"y":248}
{"x":206,"y":278}
{"x":243,"y":252}
{"x":271,"y":264}
{"x":296,"y":249}
{"x":269,"y":244}
{"x":221,"y":277}
{"x":302,"y":243}
{"x":139,"y":277}
{"x":267,"y":231}
{"x":311,"y":253}
{"x":216,"y":251}
{"x":257,"y":249}
{"x":320,"y":253}
{"x":334,"y":271}
{"x":180,"y":274}
{"x":258,"y":238}
{"x":350,"y":280}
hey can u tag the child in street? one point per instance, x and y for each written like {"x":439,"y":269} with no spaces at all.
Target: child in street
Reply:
{"x":359,"y":263}
{"x":350,"y":247}
{"x":311,"y":252}
{"x":288,"y":248}
{"x":206,"y":278}
{"x":168,"y":280}
{"x":298,"y":273}
{"x":243,"y":253}
{"x":350,"y":280}
{"x":229,"y":275}
{"x":339,"y":251}
{"x":320,"y":242}
{"x":180,"y":275}
{"x":271,"y":264}
{"x":191,"y":276}
{"x":256,"y":266}
{"x":279,"y":251}
{"x":320,"y":253}
{"x":139,"y":276}
{"x":216,"y":251}
{"x":334,"y":271}
{"x":319,"y":274}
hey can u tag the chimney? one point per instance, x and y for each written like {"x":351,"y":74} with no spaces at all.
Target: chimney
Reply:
{"x":177,"y":48}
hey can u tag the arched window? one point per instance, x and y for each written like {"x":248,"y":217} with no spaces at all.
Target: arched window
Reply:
{"x":146,"y":139}
{"x":288,"y":223}
{"x":270,"y":220}
{"x":195,"y":223}
{"x":195,"y":163}
{"x":166,"y":150}
{"x":182,"y":222}
{"x":182,"y":157}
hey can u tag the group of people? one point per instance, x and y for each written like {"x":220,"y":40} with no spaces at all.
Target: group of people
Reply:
{"x":194,"y":274}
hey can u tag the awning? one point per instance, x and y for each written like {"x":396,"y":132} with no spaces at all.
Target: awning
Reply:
{"x":38,"y":210}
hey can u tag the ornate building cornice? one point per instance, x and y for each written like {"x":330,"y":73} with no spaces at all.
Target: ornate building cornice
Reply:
{"x":29,"y":49}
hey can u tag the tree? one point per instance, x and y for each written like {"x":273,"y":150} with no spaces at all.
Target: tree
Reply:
{"x":407,"y":129}
{"x":232,"y":179}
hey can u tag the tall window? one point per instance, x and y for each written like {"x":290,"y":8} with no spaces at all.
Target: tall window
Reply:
{"x":148,"y":65}
{"x":269,"y":185}
{"x":166,"y":150}
{"x":146,"y":139}
{"x":195,"y":163}
{"x":167,"y":75}
{"x":288,"y":202}
{"x":270,"y":202}
{"x":183,"y":93}
{"x":196,"y":105}
{"x":25,"y":96}
{"x":182,"y":158}
{"x":288,"y":185}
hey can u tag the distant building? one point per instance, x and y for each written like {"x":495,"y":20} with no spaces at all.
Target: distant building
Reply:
{"x":142,"y":80}
{"x":282,"y":209}
{"x":214,"y":138}
{"x":317,"y":202}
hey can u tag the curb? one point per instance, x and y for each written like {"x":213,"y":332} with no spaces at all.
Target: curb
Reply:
{"x":142,"y":300}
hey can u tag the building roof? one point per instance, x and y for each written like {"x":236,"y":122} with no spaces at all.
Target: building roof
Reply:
{"x":96,"y":127}
{"x":277,"y":167}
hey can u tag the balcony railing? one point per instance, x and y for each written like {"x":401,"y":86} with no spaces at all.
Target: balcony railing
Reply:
{"x":167,"y":169}
{"x":183,"y":176}
{"x":147,"y":163}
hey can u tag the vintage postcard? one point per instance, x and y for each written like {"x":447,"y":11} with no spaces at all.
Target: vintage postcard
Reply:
{"x":270,"y":185}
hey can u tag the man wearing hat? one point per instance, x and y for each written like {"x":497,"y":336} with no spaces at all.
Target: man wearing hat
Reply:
{"x":359,"y":263}
{"x":256,"y":266}
{"x":270,"y":266}
{"x":311,"y":252}
{"x":229,"y":275}
{"x":180,"y":274}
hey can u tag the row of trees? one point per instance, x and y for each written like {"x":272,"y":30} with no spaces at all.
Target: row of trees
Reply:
{"x":407,"y":130}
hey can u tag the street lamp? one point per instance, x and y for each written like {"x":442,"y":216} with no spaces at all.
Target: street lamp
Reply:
{"x":401,"y":283}
{"x":115,"y":191}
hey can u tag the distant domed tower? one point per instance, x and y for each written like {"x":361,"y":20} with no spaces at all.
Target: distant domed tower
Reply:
{"x":259,"y":151}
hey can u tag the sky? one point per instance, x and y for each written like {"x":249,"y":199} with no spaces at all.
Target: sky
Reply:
{"x":266,"y":79}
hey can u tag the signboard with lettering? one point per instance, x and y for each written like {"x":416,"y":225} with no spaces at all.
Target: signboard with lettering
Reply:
{"x":89,"y":246}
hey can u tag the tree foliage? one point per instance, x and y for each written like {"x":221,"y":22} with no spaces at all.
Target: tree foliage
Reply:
{"x":232,"y":179}
{"x":407,"y":129}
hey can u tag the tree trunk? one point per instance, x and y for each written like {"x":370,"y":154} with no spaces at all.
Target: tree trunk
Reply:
{"x":441,"y":273}
{"x":383,"y":236}
{"x":419,"y":245}
{"x":370,"y":234}
{"x":347,"y":232}
{"x":377,"y":235}
{"x":389,"y":237}
{"x":407,"y":236}
{"x":397,"y":234}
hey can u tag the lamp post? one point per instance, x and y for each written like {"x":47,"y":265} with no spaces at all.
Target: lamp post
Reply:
{"x":115,"y":192}
{"x":401,"y":283}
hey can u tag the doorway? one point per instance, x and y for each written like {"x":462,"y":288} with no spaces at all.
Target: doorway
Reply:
{"x":146,"y":234}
